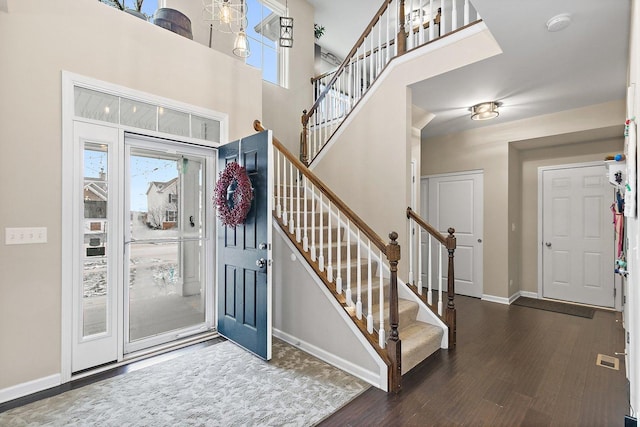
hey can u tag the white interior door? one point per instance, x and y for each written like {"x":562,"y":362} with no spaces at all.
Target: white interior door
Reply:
{"x":577,"y":242}
{"x":456,"y":201}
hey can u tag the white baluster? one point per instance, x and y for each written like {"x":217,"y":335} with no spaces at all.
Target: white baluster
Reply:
{"x":278,"y":184}
{"x":305,"y":238}
{"x":321,"y":234}
{"x":379,"y":56}
{"x":411,"y":260}
{"x":430,"y":274}
{"x":397,"y":25}
{"x":432,"y":21}
{"x":291,"y":222}
{"x":419,"y":232}
{"x":358,"y":280}
{"x":312,"y":150}
{"x":339,"y":257}
{"x":454,"y":15}
{"x":349,"y":295}
{"x":381,"y":332}
{"x":466,"y":12}
{"x":411,"y":41}
{"x":439,"y":280}
{"x":285,"y":217}
{"x":298,"y":196}
{"x":313,"y":223}
{"x":330,"y":248}
{"x":369,"y":291}
{"x":443,"y":19}
{"x":371,"y":65}
{"x":421,"y":25}
{"x":387,"y":38}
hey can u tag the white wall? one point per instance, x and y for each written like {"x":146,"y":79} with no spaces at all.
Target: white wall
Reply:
{"x":307,"y":318}
{"x":368,"y":163}
{"x":530,"y":161}
{"x":38,"y":40}
{"x":487,"y":149}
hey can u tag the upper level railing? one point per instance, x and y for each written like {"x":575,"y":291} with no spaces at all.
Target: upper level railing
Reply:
{"x":346,"y":253}
{"x":436,"y":245}
{"x":398,"y":27}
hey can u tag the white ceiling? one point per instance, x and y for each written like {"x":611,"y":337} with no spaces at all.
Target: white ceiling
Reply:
{"x":539,"y":72}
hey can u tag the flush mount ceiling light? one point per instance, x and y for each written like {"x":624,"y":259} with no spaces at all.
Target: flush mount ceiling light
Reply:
{"x":558,"y":22}
{"x":485,"y":111}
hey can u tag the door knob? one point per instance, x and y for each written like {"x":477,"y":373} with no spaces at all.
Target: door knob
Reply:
{"x":262,"y":263}
{"x":548,"y":244}
{"x":262,"y":246}
{"x":479,"y":240}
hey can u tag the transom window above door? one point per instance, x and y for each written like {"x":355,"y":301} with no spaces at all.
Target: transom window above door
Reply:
{"x":105,"y":107}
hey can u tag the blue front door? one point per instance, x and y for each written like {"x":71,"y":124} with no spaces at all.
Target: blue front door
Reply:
{"x":244,"y":253}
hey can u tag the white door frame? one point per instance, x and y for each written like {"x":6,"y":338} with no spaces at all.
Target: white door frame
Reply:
{"x":542,"y":169}
{"x":69,"y":82}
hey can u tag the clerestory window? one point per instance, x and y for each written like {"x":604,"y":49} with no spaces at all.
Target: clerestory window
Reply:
{"x":263,"y":31}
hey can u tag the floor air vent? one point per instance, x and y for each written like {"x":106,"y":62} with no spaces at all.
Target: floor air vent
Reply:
{"x":608,"y":362}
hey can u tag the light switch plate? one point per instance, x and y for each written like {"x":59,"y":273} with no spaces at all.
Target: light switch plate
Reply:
{"x":25,"y":235}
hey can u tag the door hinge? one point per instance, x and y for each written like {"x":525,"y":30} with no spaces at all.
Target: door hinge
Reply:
{"x":614,"y":292}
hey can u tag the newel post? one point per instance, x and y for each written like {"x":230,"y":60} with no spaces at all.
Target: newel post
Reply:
{"x":393,"y":343}
{"x":450,"y":315}
{"x":402,"y":34}
{"x":304,"y":139}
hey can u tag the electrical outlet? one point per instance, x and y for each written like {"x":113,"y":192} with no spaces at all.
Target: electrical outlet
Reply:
{"x":25,"y":235}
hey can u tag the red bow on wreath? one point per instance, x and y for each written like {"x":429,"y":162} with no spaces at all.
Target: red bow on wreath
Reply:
{"x":236,"y":214}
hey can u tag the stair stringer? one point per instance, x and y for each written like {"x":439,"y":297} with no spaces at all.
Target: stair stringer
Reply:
{"x":332,"y":336}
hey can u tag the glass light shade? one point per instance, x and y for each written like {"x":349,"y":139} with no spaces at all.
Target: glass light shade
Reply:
{"x":485,"y":111}
{"x":226,"y":16}
{"x":241,"y":45}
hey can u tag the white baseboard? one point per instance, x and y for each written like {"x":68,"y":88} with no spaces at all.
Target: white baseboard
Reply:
{"x":30,"y":387}
{"x":493,"y":298}
{"x":355,"y":370}
{"x":511,"y":299}
{"x":528,"y":294}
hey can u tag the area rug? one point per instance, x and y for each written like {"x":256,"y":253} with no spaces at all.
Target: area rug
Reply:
{"x":558,"y":307}
{"x":220,"y":385}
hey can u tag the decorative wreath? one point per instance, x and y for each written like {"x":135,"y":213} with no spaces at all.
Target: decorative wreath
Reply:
{"x":234,"y":213}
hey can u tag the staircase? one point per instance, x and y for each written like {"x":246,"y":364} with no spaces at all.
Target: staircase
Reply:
{"x":361,"y":280}
{"x":356,"y":266}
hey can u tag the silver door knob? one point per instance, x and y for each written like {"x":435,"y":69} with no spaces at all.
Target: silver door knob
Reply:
{"x":262,"y":263}
{"x":479,"y":240}
{"x":548,"y":244}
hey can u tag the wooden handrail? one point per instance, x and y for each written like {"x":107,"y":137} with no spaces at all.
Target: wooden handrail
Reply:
{"x":335,"y":200}
{"x":347,"y":60}
{"x":430,"y":228}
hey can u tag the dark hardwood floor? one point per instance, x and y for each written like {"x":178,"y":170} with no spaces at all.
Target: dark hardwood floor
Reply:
{"x":513,"y":366}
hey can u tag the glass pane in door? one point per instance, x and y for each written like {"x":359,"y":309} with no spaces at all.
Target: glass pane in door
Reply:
{"x":95,"y":262}
{"x":166,"y":290}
